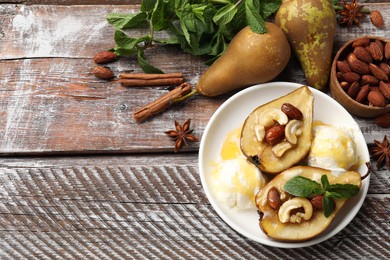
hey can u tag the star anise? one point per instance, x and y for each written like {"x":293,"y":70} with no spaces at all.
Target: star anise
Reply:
{"x":182,"y":134}
{"x":350,"y":14}
{"x":381,"y":152}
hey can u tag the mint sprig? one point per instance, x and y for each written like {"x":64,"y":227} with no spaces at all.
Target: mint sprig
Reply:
{"x":199,"y":27}
{"x":304,"y":187}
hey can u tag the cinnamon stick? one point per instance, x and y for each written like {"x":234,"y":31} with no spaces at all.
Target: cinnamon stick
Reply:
{"x":150,"y":82}
{"x":150,"y":76}
{"x":162,"y":103}
{"x":145,"y":79}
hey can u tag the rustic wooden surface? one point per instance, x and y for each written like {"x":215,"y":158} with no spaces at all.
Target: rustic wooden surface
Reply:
{"x":80,"y":179}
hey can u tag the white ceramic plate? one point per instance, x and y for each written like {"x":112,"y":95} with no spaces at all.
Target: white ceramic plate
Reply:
{"x":231,"y":115}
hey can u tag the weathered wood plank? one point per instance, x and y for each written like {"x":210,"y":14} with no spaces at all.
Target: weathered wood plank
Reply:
{"x":51,"y":103}
{"x":144,"y":207}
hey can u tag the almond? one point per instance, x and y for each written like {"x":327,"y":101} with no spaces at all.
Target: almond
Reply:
{"x":376,"y":18}
{"x":275,"y":134}
{"x":340,"y":76}
{"x":273,"y":198}
{"x":363,"y":54}
{"x":376,"y":99}
{"x":385,"y":67}
{"x":292,"y":111}
{"x":345,"y":85}
{"x":104,"y":57}
{"x":351,"y":77}
{"x":369,"y":79}
{"x":357,"y":65}
{"x":375,"y":51}
{"x":353,"y":90}
{"x":384,"y":89}
{"x":378,"y":72}
{"x":316,"y":201}
{"x":363,"y":41}
{"x":102,"y":72}
{"x":363,"y":93}
{"x":383,"y":120}
{"x":387,"y":50}
{"x":343,"y":66}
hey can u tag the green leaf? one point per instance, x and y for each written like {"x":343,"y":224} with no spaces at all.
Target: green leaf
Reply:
{"x":303,"y":187}
{"x":146,"y":66}
{"x":328,"y":206}
{"x":148,"y":5}
{"x":325,"y":181}
{"x":125,"y":42}
{"x":124,"y":21}
{"x":253,"y":17}
{"x":225,"y":14}
{"x":343,"y":191}
{"x":268,"y":7}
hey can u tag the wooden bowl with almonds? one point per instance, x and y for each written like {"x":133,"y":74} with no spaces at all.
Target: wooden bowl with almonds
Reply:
{"x":360,"y":76}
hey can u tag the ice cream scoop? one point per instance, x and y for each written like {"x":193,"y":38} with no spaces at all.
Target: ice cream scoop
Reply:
{"x":332,"y":148}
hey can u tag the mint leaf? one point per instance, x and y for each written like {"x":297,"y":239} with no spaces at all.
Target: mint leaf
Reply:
{"x":268,"y":7}
{"x":325,"y":181}
{"x":254,"y":19}
{"x":146,"y":66}
{"x":225,"y":14}
{"x":124,"y":21}
{"x":125,"y":42}
{"x":328,"y":206}
{"x":148,"y":5}
{"x":303,"y":187}
{"x":343,"y":191}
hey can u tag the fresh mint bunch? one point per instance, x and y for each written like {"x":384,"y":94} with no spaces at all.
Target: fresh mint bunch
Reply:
{"x":200,"y":27}
{"x":303,"y":187}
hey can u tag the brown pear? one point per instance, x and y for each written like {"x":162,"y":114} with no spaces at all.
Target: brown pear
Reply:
{"x":250,"y":58}
{"x":310,"y":27}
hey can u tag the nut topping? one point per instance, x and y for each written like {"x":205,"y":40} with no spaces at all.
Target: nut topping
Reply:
{"x":275,"y":134}
{"x":273,"y":198}
{"x":295,"y":203}
{"x":316,"y":201}
{"x":292,"y":111}
{"x":269,"y":116}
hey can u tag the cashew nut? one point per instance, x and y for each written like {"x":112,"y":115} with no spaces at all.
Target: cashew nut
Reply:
{"x":260,"y":132}
{"x":292,"y":131}
{"x":295,"y":203}
{"x":268,"y":117}
{"x":279,"y":149}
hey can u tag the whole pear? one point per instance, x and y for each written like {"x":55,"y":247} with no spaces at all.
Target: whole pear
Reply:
{"x":250,"y":58}
{"x":310,"y":27}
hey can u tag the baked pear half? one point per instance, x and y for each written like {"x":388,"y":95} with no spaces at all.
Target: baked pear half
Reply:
{"x":286,"y":217}
{"x":278,"y":134}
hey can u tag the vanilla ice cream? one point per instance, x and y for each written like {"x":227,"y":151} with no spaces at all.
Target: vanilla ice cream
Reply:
{"x":332,"y":149}
{"x":235,"y":181}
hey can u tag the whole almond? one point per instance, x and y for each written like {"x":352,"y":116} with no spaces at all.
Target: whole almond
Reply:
{"x":385,"y":67}
{"x":343,"y":66}
{"x":353,"y":90}
{"x":376,"y":98}
{"x":316,"y":201}
{"x":273,"y":198}
{"x":345,"y":85}
{"x":102,"y":72}
{"x":292,"y":111}
{"x":357,"y":65}
{"x":363,"y":54}
{"x":275,"y":134}
{"x":363,"y":92}
{"x":376,"y":18}
{"x":380,"y":44}
{"x":104,"y":57}
{"x":375,"y":51}
{"x":384,"y":88}
{"x":378,"y":72}
{"x":383,"y":120}
{"x":351,"y":77}
{"x":363,"y":41}
{"x":340,"y":76}
{"x":387,"y":50}
{"x":369,"y":79}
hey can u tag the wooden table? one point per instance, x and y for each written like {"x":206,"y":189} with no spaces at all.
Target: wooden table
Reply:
{"x":80,"y":179}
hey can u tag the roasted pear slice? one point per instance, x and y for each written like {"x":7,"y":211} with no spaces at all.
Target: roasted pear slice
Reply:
{"x":272,"y":214}
{"x":275,"y":140}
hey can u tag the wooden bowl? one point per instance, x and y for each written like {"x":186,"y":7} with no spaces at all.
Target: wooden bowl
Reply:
{"x":351,"y":105}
